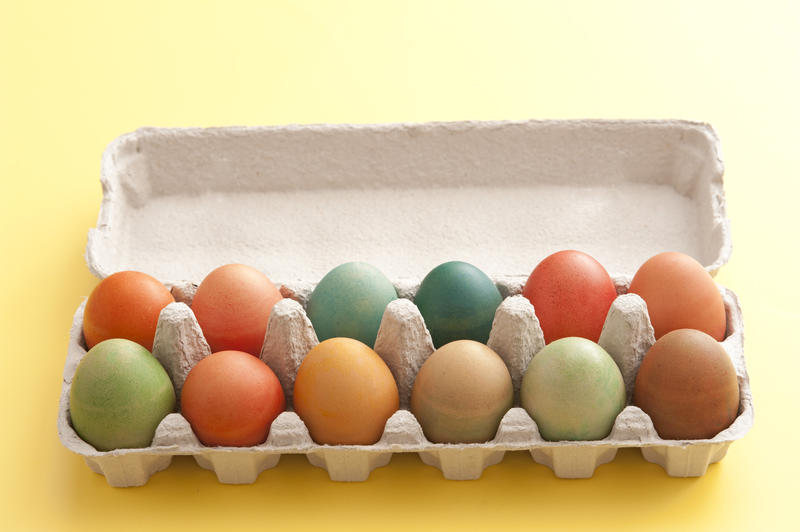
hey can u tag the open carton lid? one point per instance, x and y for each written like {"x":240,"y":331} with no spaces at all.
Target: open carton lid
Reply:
{"x":296,"y":201}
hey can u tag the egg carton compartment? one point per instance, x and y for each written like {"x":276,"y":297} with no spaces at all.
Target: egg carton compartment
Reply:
{"x":295,"y":201}
{"x":404,"y":343}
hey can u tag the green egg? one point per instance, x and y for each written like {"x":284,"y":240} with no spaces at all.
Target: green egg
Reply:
{"x":574,"y":390}
{"x":458,"y":302}
{"x":119,"y":395}
{"x":349,"y":302}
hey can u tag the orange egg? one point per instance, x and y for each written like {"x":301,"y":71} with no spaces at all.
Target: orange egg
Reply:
{"x":680,"y":294}
{"x":345,"y":392}
{"x":231,"y":398}
{"x":125,"y":305}
{"x":232,"y":306}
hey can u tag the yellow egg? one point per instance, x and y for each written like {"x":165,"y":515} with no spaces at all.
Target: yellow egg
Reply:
{"x":345,"y":392}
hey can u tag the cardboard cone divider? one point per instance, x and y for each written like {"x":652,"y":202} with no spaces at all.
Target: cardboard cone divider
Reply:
{"x":403,"y":341}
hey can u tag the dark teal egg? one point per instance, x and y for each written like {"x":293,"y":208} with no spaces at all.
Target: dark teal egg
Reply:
{"x":349,"y":302}
{"x":458,"y":302}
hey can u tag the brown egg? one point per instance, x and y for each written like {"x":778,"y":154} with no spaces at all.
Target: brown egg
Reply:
{"x":461,"y":393}
{"x":680,"y":294}
{"x":687,"y":385}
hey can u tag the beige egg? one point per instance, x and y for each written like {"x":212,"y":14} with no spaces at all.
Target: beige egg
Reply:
{"x":461,"y":393}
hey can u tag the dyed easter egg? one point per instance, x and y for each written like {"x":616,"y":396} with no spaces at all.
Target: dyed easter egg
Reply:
{"x":458,"y":302}
{"x":349,"y":302}
{"x":687,"y":385}
{"x":680,"y":294}
{"x":231,"y":398}
{"x":232,"y":306}
{"x":574,"y":390}
{"x":119,"y":395}
{"x":461,"y":393}
{"x":125,"y":305}
{"x":571,"y":293}
{"x":345,"y":393}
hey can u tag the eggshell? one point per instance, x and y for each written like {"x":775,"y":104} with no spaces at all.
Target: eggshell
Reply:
{"x":680,"y":294}
{"x":345,"y":393}
{"x":231,"y":398}
{"x":571,"y":293}
{"x":125,"y":305}
{"x":687,"y":385}
{"x":119,"y":395}
{"x":461,"y":393}
{"x":458,"y":302}
{"x":349,"y":301}
{"x":232,"y":306}
{"x":573,"y":390}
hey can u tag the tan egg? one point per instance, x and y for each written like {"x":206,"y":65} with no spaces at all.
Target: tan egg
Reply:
{"x":461,"y":393}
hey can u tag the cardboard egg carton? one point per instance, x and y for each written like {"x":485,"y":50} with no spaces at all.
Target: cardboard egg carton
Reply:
{"x":296,"y":201}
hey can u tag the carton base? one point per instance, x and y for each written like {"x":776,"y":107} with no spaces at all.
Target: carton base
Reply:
{"x":236,"y":468}
{"x":462,"y":463}
{"x":348,"y":465}
{"x":573,"y":462}
{"x":128,"y":470}
{"x":688,"y":461}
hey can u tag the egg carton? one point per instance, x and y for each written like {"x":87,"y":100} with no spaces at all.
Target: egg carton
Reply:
{"x":178,"y":203}
{"x":404,"y":343}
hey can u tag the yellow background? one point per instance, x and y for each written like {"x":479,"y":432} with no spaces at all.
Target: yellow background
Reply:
{"x":73,"y":76}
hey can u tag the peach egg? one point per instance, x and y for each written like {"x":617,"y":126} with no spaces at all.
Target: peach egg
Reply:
{"x":680,"y":294}
{"x":232,"y":306}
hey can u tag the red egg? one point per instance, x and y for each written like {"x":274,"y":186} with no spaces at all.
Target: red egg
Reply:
{"x":232,"y":306}
{"x":571,"y":293}
{"x":125,"y":305}
{"x":680,"y":294}
{"x":231,"y":398}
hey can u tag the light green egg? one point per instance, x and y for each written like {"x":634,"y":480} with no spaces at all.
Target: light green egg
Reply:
{"x":119,"y":395}
{"x":574,"y":390}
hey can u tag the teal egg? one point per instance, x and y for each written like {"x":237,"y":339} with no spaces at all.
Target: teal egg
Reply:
{"x":349,"y":302}
{"x":119,"y":395}
{"x":458,"y":302}
{"x":574,"y":390}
